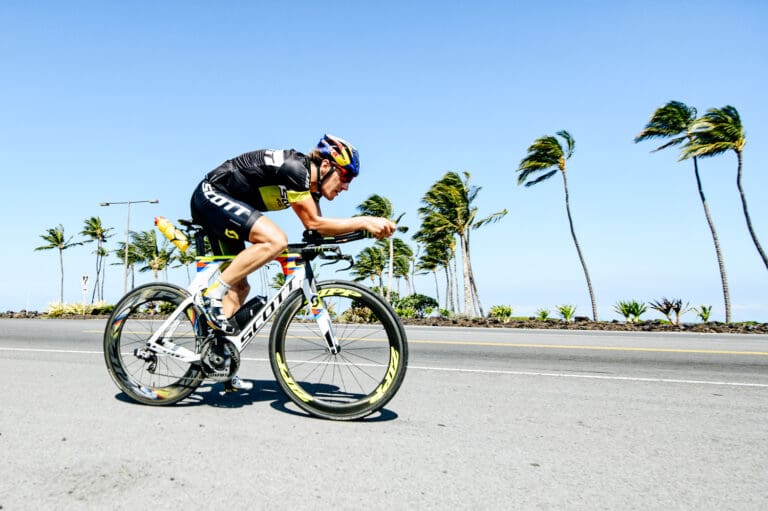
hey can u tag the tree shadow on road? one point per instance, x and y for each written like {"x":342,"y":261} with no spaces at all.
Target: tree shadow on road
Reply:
{"x":213,"y":394}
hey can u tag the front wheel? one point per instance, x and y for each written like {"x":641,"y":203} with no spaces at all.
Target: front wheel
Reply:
{"x":150,"y":378}
{"x":367,"y":371}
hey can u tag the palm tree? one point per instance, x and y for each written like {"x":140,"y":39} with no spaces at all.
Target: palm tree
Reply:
{"x":718,"y":131}
{"x":674,"y":121}
{"x":440,"y":247}
{"x":370,"y":263}
{"x":95,"y":231}
{"x":147,"y":251}
{"x":401,"y":262}
{"x":184,"y":259}
{"x":545,"y":157}
{"x":429,"y":262}
{"x":56,"y":239}
{"x":376,"y":205}
{"x":448,"y":207}
{"x":133,"y":257}
{"x":278,"y":280}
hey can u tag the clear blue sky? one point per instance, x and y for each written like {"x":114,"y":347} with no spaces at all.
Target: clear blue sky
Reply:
{"x":114,"y":101}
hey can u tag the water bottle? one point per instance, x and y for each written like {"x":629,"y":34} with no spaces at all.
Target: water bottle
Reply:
{"x":170,"y":231}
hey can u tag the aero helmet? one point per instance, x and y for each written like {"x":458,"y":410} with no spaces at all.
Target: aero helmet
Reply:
{"x":340,"y":153}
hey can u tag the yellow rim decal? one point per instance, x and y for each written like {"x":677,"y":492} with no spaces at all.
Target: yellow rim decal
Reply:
{"x":394,"y":362}
{"x":295,"y":388}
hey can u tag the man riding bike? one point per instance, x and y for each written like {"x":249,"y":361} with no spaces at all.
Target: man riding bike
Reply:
{"x":230,"y":200}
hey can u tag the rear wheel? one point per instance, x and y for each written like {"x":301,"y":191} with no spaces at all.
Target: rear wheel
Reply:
{"x":363,"y":376}
{"x":150,"y":378}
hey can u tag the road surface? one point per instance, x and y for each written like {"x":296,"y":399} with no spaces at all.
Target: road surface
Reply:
{"x":486,"y":419}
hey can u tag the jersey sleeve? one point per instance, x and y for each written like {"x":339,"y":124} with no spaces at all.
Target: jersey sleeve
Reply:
{"x":295,"y":176}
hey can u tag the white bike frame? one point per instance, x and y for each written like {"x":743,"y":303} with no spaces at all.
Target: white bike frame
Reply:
{"x":299,"y":276}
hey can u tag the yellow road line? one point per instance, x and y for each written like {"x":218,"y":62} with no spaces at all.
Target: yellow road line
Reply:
{"x":583,"y":347}
{"x":563,"y":346}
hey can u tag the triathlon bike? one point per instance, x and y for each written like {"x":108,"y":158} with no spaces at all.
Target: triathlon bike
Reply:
{"x":337,"y":349}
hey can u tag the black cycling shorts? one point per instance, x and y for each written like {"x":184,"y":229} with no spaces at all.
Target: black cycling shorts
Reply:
{"x":227,"y":221}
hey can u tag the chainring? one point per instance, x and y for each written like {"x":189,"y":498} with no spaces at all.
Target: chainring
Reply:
{"x":220,"y":359}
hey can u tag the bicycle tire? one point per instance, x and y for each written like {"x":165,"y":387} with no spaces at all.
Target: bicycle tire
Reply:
{"x":367,"y":372}
{"x":135,"y":318}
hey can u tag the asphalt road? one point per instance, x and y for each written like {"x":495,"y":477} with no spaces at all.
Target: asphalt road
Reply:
{"x":486,"y":419}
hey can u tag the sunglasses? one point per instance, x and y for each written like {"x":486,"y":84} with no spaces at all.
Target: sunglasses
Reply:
{"x":345,"y":175}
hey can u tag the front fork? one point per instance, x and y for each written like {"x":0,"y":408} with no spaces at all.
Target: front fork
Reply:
{"x":319,"y":312}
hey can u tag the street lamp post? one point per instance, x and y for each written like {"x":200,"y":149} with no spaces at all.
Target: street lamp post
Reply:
{"x":127,"y":231}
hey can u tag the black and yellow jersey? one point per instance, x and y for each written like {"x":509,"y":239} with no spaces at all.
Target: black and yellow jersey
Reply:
{"x":266,"y":179}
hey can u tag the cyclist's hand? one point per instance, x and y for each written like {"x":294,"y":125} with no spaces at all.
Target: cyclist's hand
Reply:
{"x":380,"y":227}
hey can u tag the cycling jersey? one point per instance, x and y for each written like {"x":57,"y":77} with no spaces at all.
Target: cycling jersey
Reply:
{"x":232,"y":196}
{"x":268,"y":180}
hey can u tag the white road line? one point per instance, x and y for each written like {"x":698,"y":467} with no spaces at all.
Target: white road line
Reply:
{"x":40,"y":350}
{"x":476,"y":371}
{"x":588,"y":376}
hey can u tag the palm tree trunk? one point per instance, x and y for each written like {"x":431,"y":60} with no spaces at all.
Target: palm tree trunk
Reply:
{"x":96,"y":283}
{"x":455,"y":283}
{"x":468,"y":310}
{"x":103,"y":278}
{"x":578,"y":249}
{"x":720,"y":263}
{"x":437,"y":287}
{"x":746,"y":213}
{"x":61,"y":284}
{"x":476,"y":307}
{"x":449,"y":302}
{"x":97,"y":295}
{"x":475,"y":294}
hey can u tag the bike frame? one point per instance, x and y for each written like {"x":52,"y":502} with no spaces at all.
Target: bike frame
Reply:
{"x":298,"y":275}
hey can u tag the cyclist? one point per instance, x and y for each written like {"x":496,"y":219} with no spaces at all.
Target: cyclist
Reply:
{"x":230,"y":200}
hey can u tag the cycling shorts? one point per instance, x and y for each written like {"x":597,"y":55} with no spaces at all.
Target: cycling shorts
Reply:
{"x":227,"y":221}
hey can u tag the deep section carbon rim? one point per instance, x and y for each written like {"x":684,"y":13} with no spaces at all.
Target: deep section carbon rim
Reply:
{"x":149,"y":378}
{"x":360,"y":379}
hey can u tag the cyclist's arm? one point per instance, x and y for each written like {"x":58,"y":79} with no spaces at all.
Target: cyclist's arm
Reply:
{"x":309,"y":214}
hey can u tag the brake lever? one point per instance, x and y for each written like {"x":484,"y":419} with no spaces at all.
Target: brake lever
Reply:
{"x":341,"y":257}
{"x":350,"y":260}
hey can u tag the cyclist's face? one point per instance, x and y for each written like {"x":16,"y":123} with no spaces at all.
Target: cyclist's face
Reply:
{"x":333,"y":184}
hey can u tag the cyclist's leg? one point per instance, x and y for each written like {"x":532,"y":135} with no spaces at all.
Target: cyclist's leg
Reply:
{"x":227,"y":223}
{"x":268,"y":242}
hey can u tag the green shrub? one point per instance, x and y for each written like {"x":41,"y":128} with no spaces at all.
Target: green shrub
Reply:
{"x":664,"y":306}
{"x":166,"y":307}
{"x":57,"y":310}
{"x":703,"y":312}
{"x":631,"y":310}
{"x":542,"y":314}
{"x":566,"y":312}
{"x":667,"y":307}
{"x":407,"y":312}
{"x":501,"y":312}
{"x":102,"y":308}
{"x":420,"y":305}
{"x":357,"y":315}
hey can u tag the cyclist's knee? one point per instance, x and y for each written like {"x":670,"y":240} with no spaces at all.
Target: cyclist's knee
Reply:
{"x":277,"y":244}
{"x":268,"y":235}
{"x":281,"y":244}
